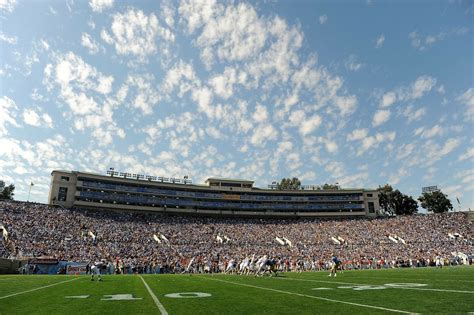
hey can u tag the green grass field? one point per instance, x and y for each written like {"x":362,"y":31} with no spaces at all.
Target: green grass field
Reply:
{"x":424,"y":290}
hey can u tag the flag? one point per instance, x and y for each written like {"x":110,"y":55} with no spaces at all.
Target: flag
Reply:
{"x":279,"y":240}
{"x":163,"y":238}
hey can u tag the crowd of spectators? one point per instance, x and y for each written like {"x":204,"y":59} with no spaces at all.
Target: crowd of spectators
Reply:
{"x":37,"y":230}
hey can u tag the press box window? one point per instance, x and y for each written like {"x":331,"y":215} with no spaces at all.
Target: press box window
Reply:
{"x":62,"y":194}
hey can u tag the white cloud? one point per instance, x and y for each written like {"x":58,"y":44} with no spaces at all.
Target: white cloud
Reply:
{"x":146,"y":96}
{"x":262,"y":134}
{"x":405,"y":150}
{"x":8,"y":110}
{"x":414,"y":115}
{"x":236,"y":34}
{"x":335,"y":169}
{"x":380,"y":41}
{"x":388,"y":99}
{"x":352,"y":64}
{"x":203,"y":97}
{"x":8,"y":39}
{"x":421,"y":86}
{"x":394,"y":179}
{"x":309,"y":125}
{"x":323,"y":19}
{"x":8,"y":5}
{"x":135,"y":33}
{"x":76,"y":80}
{"x":449,"y":146}
{"x":469,"y":154}
{"x":367,"y":142}
{"x":380,"y":117}
{"x":357,"y":134}
{"x":296,"y":117}
{"x":331,"y":146}
{"x":31,"y":117}
{"x":346,"y":104}
{"x":87,"y":93}
{"x":167,"y":13}
{"x":88,"y":42}
{"x":223,"y":83}
{"x":467,"y":98}
{"x":436,"y":130}
{"x":421,"y":42}
{"x":100,"y":5}
{"x":197,"y":13}
{"x":261,"y":113}
{"x":181,"y":75}
{"x":354,"y":180}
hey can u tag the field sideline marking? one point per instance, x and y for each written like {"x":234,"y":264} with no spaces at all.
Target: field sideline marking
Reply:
{"x":35,"y":289}
{"x":312,"y":296}
{"x":153,"y":296}
{"x":404,"y":288}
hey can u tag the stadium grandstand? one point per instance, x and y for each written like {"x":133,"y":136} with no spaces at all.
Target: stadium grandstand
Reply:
{"x":157,"y":242}
{"x":218,"y":196}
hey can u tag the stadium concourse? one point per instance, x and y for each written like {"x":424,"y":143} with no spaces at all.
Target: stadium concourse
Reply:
{"x":151,"y":243}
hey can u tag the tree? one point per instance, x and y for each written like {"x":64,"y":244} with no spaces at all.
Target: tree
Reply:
{"x":404,"y":204}
{"x":394,"y":202}
{"x":330,"y":187}
{"x":385,"y":199}
{"x":436,"y":202}
{"x":7,"y":193}
{"x":289,"y":184}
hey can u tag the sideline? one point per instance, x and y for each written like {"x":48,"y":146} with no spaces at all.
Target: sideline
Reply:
{"x":403,"y":288}
{"x":311,"y":296}
{"x":35,"y":289}
{"x":153,"y":296}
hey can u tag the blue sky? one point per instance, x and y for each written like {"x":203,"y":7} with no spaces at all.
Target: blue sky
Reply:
{"x":361,"y":93}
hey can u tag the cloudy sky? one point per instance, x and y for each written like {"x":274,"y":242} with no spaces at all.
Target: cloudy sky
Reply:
{"x":361,"y":93}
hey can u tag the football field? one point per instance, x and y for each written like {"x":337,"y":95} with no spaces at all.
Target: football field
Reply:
{"x":405,"y":291}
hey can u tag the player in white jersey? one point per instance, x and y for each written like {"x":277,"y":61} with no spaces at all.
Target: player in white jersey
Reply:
{"x":95,"y":270}
{"x":244,"y":265}
{"x":190,"y":268}
{"x":261,"y":265}
{"x":439,"y":262}
{"x":231,"y":265}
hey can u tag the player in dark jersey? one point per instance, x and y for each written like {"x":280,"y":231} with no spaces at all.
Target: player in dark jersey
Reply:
{"x":272,"y":267}
{"x":96,"y":269}
{"x":334,"y":266}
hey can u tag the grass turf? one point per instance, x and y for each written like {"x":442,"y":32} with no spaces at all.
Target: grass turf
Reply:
{"x":447,"y":290}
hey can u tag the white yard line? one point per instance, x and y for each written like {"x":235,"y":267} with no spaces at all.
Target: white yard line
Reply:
{"x":35,"y":289}
{"x":394,"y":287}
{"x":153,"y":296}
{"x":312,"y":296}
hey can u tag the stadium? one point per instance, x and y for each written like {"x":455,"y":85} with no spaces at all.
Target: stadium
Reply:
{"x":148,"y":242}
{"x":218,"y":196}
{"x":236,"y":157}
